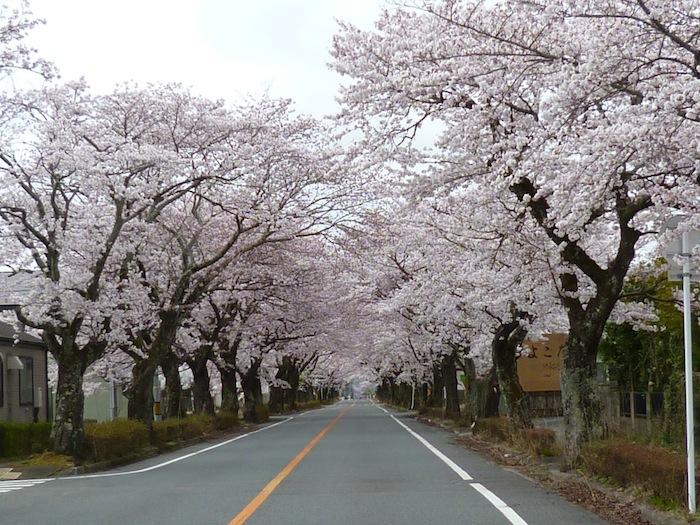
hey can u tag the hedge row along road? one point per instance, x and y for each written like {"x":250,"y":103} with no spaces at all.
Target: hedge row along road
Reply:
{"x":351,"y":463}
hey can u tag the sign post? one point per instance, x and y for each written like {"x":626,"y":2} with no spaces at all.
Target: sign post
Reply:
{"x":688,"y":241}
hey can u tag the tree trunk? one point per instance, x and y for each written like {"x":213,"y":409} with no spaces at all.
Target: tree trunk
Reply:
{"x":203,"y":402}
{"x":583,"y":419}
{"x":229,"y":391}
{"x":449,"y":376}
{"x":276,"y":399}
{"x":436,"y":398}
{"x":649,"y":409}
{"x":140,"y":392}
{"x":293,"y":380}
{"x":504,"y":347}
{"x":252,"y":392}
{"x":470,"y":391}
{"x":492,"y":395}
{"x":173,"y":406}
{"x":67,"y":431}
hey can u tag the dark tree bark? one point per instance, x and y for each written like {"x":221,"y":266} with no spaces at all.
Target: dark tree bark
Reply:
{"x":449,"y":376}
{"x":506,"y":341}
{"x":68,"y":432}
{"x":492,"y":395}
{"x":437,"y":397}
{"x":285,"y":398}
{"x":470,"y":390}
{"x":252,"y":392}
{"x":229,"y":390}
{"x":140,"y":392}
{"x":172,"y":406}
{"x":203,"y":402}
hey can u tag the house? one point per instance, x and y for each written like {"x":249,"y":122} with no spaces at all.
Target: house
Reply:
{"x":23,"y":376}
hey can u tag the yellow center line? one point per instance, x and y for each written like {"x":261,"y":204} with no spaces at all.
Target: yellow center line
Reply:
{"x":258,"y":500}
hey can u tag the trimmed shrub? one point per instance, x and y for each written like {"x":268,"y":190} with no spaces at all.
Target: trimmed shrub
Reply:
{"x":653,"y":468}
{"x":166,"y":431}
{"x":197,"y":425}
{"x":308,"y":405}
{"x":21,"y":439}
{"x":115,"y":439}
{"x":226,"y":421}
{"x":493,"y":427}
{"x":262,"y":413}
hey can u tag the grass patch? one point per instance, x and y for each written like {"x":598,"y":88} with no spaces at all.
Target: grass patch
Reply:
{"x":665,"y":504}
{"x":49,"y":459}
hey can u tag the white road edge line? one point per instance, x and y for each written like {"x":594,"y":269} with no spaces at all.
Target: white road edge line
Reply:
{"x":497,"y":502}
{"x":179,"y":458}
{"x":459,"y":470}
{"x":501,"y":505}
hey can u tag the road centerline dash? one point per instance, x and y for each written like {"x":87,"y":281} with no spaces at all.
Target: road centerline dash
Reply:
{"x":268,"y":489}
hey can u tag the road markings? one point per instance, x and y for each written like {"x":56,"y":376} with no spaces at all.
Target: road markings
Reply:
{"x":459,"y":470}
{"x":265,"y":493}
{"x":19,"y":484}
{"x":497,"y":502}
{"x":179,"y":458}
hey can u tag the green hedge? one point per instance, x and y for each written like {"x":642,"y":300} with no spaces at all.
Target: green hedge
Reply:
{"x":173,"y":430}
{"x":22,"y":439}
{"x":115,"y":439}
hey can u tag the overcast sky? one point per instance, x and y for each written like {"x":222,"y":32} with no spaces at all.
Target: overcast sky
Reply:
{"x":222,"y":48}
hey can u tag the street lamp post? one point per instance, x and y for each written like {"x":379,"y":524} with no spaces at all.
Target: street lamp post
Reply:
{"x":688,"y":241}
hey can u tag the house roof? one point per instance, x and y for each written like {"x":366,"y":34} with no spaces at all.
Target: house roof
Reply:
{"x":15,"y":288}
{"x":8,"y":333}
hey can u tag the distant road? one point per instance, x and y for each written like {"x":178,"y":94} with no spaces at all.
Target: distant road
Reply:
{"x":352,"y":463}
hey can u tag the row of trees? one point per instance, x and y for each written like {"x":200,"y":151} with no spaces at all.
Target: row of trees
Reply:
{"x":502,"y":169}
{"x":567,"y":133}
{"x":162,"y":230}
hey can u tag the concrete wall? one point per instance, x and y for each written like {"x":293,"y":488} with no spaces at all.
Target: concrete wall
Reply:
{"x":11,"y":409}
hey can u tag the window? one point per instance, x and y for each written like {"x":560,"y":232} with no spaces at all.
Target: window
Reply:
{"x":26,"y":382}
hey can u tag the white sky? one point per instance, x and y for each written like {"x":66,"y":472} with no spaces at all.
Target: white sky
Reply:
{"x":221,"y":48}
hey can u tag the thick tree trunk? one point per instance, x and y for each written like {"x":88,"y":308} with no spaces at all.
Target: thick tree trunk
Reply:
{"x":470,"y":391}
{"x":285,"y":398}
{"x":583,"y":419}
{"x":140,"y":392}
{"x":504,"y":349}
{"x":492,"y":395}
{"x":173,"y":406}
{"x":252,"y":392}
{"x":203,"y":402}
{"x":68,"y":432}
{"x":276,"y":399}
{"x":290,"y":395}
{"x":229,"y":391}
{"x":437,"y":396}
{"x":449,"y":375}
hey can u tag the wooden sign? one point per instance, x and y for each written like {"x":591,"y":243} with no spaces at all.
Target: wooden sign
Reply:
{"x":540,"y":371}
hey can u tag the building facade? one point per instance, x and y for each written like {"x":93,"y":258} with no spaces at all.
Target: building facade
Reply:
{"x":23,"y":377}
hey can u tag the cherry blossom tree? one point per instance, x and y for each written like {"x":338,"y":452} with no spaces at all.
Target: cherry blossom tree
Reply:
{"x":576,"y":115}
{"x":80,"y":175}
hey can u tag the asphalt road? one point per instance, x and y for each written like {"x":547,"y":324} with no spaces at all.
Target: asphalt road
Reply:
{"x":352,"y":463}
